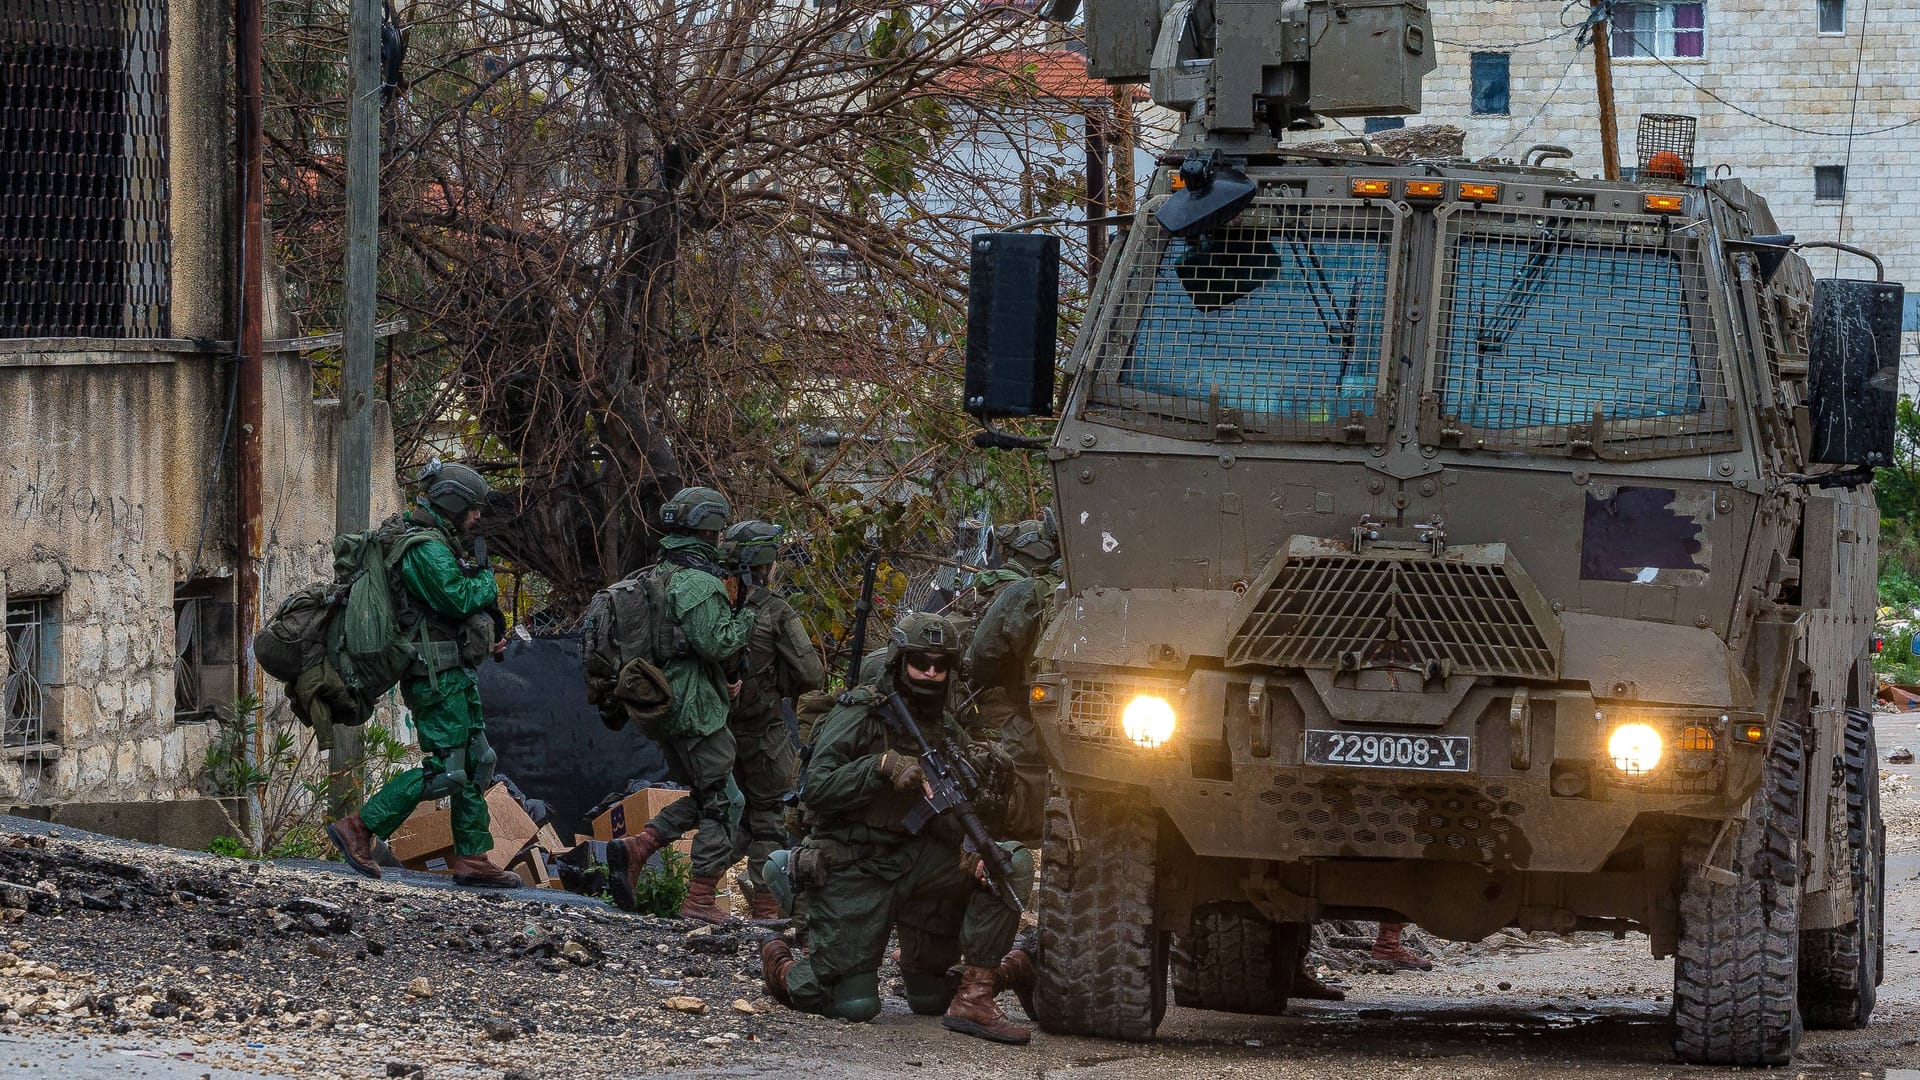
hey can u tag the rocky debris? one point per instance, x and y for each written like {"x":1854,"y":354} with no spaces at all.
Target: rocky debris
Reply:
{"x":420,"y":988}
{"x":1900,"y":755}
{"x":685,"y":1004}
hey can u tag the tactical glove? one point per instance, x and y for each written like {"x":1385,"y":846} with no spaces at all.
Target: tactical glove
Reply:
{"x":901,"y":771}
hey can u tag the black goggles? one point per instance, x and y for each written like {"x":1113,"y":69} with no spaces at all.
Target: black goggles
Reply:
{"x":931,"y":663}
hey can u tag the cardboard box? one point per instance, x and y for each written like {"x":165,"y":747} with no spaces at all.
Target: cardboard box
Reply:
{"x":548,"y":838}
{"x":425,"y":840}
{"x":632,"y":813}
{"x":531,"y":865}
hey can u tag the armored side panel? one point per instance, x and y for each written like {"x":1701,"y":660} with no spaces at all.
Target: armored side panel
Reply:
{"x":1120,"y":36}
{"x":1854,"y":347}
{"x":1012,"y":315}
{"x":1352,"y":74}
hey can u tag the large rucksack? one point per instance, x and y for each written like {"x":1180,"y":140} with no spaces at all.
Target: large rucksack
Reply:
{"x":339,"y":645}
{"x":629,"y":637}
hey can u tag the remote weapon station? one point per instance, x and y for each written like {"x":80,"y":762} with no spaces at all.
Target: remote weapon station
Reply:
{"x":1477,"y":545}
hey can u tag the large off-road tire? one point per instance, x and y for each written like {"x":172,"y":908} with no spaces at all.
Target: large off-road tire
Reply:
{"x":1102,"y":968}
{"x":1841,"y":967}
{"x":1231,"y":959}
{"x":1736,"y":974}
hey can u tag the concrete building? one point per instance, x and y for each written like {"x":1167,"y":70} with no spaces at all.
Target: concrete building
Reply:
{"x":118,"y":556}
{"x":1776,"y":89}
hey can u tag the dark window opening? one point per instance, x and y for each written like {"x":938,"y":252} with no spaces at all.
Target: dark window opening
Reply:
{"x":1675,"y":31}
{"x":1490,"y":96}
{"x":1385,"y":123}
{"x":1829,"y":182}
{"x":204,"y":674}
{"x":32,"y":667}
{"x":1832,"y":16}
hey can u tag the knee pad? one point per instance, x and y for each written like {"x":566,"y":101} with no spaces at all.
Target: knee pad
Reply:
{"x":857,"y":997}
{"x":777,"y":876}
{"x":481,"y":760}
{"x":927,"y":994}
{"x":446,"y":773}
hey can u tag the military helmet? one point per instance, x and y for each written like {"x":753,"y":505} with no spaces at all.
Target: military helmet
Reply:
{"x":753,"y":543}
{"x":452,"y":488}
{"x":1029,"y":545}
{"x":923,"y":632}
{"x":696,"y":509}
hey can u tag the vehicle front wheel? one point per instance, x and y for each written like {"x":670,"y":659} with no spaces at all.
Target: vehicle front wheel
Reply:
{"x":1102,"y":968}
{"x":1840,"y":968}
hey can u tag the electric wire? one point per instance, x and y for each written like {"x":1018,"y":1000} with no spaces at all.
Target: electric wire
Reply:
{"x":1853,"y":116}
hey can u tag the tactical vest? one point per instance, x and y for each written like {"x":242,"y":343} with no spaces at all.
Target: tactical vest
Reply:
{"x":760,"y":662}
{"x":446,"y":642}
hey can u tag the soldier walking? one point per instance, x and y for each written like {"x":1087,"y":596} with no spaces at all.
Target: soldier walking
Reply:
{"x":865,"y":873}
{"x":999,"y":661}
{"x":781,"y":663}
{"x":448,"y":603}
{"x":699,"y":746}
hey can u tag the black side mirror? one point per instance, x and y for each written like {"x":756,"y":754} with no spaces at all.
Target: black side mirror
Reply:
{"x":1013,"y":315}
{"x":1854,"y":360}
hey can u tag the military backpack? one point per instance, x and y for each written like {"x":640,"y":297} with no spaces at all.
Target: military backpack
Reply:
{"x":629,"y":638}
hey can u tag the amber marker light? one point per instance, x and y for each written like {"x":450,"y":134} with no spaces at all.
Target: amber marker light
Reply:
{"x":1665,"y":204}
{"x":1429,"y":190}
{"x":1480,"y":192}
{"x":1371,"y":189}
{"x":1753,"y":733}
{"x":1695,"y":738}
{"x":1178,"y":182}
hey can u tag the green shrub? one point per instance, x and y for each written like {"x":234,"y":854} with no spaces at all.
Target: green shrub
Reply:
{"x":230,"y":847}
{"x":661,"y":891}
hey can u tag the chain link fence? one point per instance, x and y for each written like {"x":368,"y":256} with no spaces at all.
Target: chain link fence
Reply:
{"x":83,"y":168}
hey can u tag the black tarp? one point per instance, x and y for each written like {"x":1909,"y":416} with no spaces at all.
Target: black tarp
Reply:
{"x":550,"y":741}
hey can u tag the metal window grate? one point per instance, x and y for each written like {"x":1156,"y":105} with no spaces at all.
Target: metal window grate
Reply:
{"x":1275,"y":326}
{"x":84,"y":248}
{"x":23,"y":721}
{"x":1464,"y":612}
{"x":1575,"y":332}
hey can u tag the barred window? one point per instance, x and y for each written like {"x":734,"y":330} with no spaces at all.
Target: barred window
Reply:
{"x":32,"y":656}
{"x":83,"y":185}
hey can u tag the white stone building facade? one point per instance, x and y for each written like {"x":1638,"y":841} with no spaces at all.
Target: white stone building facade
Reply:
{"x":1776,"y":89}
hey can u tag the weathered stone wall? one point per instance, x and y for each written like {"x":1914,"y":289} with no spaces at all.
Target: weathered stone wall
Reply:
{"x":107,"y":502}
{"x":1795,"y":85}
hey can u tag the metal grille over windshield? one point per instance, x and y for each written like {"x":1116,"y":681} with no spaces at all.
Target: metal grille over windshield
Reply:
{"x":1577,"y":333}
{"x":1275,"y":326}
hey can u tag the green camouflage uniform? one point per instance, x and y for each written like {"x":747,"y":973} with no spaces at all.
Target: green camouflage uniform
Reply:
{"x":781,"y":663}
{"x":873,"y":875}
{"x":698,"y":744}
{"x":1000,"y":665}
{"x":445,"y":703}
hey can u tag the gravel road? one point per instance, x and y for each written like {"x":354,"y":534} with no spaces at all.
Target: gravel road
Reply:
{"x":162,"y":964}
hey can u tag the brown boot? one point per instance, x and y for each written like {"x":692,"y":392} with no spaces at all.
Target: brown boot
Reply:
{"x":1388,"y":950}
{"x":975,"y":1013}
{"x":1308,"y":987}
{"x":1016,"y":973}
{"x":701,"y":903}
{"x":626,"y":857}
{"x":476,"y":871}
{"x":355,"y":842}
{"x":762,"y":905}
{"x":776,"y":959}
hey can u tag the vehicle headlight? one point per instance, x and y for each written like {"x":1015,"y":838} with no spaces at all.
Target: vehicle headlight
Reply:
{"x":1147,"y":720}
{"x":1634,"y":748}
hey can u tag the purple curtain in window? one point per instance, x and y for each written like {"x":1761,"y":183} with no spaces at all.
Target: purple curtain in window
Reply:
{"x":1689,"y":30}
{"x":1626,"y":21}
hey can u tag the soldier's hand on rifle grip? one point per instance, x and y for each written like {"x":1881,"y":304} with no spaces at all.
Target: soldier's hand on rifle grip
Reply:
{"x":901,"y":771}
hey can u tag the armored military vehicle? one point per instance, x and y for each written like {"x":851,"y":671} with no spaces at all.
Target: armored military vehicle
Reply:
{"x":1480,"y":545}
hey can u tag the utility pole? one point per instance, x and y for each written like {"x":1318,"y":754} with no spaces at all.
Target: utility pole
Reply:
{"x":249,"y":374}
{"x":1602,"y":27}
{"x":354,"y":487}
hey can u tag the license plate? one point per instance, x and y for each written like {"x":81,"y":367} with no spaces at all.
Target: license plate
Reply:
{"x":1439,"y":753}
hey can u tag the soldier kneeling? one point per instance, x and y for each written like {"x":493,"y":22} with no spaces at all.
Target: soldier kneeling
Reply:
{"x":865,"y":872}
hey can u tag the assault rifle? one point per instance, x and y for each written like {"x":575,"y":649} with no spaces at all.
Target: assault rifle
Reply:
{"x":949,"y":777}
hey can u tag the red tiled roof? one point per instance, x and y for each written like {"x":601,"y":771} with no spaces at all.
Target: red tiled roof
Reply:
{"x":1056,"y":73}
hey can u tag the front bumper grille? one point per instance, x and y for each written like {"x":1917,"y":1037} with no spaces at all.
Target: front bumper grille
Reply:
{"x":1467,"y":611}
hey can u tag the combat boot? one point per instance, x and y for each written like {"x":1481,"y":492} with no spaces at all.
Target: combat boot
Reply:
{"x":476,"y":871}
{"x":701,"y":903}
{"x":355,"y":843}
{"x":975,"y":1013}
{"x":776,"y":959}
{"x":1388,"y":950}
{"x":626,"y":857}
{"x":1016,"y":973}
{"x":1308,"y":987}
{"x":762,"y":905}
